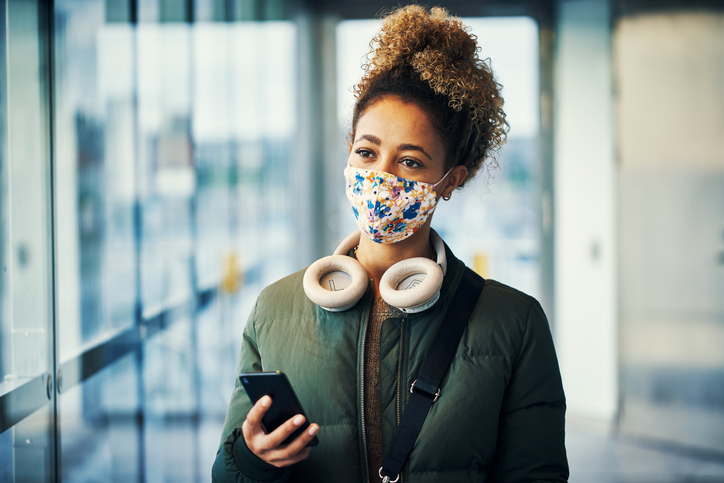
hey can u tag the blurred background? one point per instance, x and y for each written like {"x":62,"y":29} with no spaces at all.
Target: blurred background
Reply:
{"x":161,"y":161}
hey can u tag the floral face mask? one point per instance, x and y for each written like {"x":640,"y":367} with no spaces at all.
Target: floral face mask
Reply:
{"x":388,"y":208}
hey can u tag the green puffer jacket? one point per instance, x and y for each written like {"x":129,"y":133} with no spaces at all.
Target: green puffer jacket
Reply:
{"x":500,"y":416}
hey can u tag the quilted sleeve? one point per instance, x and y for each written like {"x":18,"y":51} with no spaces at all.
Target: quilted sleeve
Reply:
{"x":531,"y":429}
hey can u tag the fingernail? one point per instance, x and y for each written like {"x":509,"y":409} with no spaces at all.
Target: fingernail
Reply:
{"x":298,"y":420}
{"x":265,"y":401}
{"x":313,"y":430}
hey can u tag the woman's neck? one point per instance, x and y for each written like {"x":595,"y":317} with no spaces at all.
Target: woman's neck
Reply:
{"x":376,"y":258}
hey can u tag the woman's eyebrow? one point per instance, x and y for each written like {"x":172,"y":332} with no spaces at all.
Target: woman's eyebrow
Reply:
{"x":370,"y":138}
{"x":402,"y":147}
{"x":413,"y":147}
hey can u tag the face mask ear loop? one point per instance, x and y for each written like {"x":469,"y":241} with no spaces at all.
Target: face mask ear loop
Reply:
{"x":441,"y":179}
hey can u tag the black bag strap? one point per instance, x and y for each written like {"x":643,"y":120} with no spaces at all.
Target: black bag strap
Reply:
{"x":426,"y":389}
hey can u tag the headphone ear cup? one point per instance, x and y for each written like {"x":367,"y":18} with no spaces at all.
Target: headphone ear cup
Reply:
{"x":412,"y":285}
{"x":335,"y":283}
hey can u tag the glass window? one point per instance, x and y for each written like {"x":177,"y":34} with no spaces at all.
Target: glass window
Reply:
{"x":28,"y":455}
{"x":264,"y":130}
{"x":167,"y":179}
{"x":213,"y":150}
{"x":100,"y":433}
{"x":95,"y":194}
{"x":171,"y":402}
{"x":5,"y":245}
{"x":27,"y":246}
{"x":94,"y":175}
{"x":27,"y":449}
{"x":6,"y":455}
{"x":6,"y":436}
{"x":172,"y":147}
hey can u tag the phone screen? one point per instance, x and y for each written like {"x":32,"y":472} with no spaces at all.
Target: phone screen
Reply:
{"x":285,"y":404}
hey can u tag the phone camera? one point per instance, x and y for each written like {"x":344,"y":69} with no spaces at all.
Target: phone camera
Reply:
{"x":245,"y":380}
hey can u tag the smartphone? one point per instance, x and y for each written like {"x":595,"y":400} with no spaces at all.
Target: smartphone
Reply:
{"x":285,"y":404}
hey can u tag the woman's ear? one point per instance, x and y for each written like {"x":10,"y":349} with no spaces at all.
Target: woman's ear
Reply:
{"x":457,"y":175}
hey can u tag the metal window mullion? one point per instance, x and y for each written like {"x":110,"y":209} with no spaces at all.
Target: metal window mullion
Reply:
{"x":52,"y":383}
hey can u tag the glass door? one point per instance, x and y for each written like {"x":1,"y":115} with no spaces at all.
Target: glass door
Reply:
{"x":144,"y":202}
{"x":99,"y":413}
{"x":27,"y":436}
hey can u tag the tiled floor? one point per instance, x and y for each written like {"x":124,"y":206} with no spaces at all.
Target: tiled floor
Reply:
{"x":596,"y":456}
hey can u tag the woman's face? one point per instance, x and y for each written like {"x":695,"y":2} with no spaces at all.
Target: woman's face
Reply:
{"x":399,"y":138}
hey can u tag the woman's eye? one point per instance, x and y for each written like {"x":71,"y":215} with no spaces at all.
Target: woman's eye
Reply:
{"x":410,"y":163}
{"x":365,"y":153}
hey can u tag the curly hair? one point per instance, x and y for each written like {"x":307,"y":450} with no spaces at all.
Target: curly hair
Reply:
{"x":431,"y":59}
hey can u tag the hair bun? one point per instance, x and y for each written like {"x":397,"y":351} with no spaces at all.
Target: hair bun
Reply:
{"x":410,"y":31}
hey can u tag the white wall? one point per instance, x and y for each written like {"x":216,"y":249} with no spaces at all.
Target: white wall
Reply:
{"x":670,"y":124}
{"x":585,"y":251}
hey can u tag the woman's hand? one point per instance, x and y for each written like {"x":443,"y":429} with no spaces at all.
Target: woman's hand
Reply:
{"x":269,"y":447}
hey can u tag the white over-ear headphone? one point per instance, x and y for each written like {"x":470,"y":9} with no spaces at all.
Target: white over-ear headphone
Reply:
{"x":337,"y":282}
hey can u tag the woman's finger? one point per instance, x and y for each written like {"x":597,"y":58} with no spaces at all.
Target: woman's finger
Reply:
{"x":258,"y":410}
{"x":252,"y":426}
{"x":269,"y":447}
{"x":301,"y":441}
{"x":296,"y":450}
{"x":279,"y":435}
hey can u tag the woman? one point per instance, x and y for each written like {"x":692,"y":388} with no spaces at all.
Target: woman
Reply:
{"x":428,"y":114}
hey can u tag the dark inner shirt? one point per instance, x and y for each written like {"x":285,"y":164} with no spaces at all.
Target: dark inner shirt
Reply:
{"x":380,"y":312}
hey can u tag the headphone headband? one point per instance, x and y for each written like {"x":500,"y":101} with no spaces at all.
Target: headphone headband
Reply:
{"x":439,"y":247}
{"x":352,"y":240}
{"x":348,"y":243}
{"x":337,"y":282}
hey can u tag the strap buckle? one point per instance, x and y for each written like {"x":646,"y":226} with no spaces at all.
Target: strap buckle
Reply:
{"x":386,"y":479}
{"x":436,"y":395}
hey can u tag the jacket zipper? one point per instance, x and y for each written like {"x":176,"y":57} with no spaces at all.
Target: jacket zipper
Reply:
{"x":399,"y":369}
{"x":365,"y":321}
{"x":399,"y":374}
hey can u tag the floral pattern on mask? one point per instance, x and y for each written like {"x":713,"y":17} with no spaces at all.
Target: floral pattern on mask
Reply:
{"x":388,"y":208}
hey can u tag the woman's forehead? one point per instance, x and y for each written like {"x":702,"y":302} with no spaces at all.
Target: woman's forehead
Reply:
{"x":391,"y":120}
